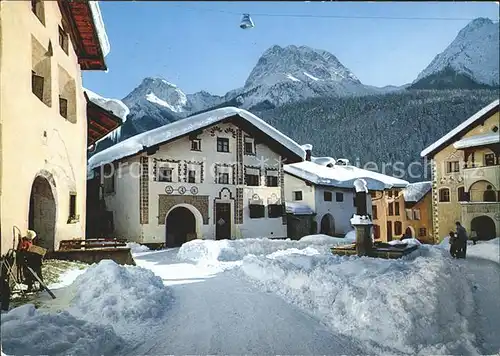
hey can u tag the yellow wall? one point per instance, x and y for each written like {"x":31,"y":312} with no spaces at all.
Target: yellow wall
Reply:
{"x":34,"y":137}
{"x":382,"y":201}
{"x":447,"y":213}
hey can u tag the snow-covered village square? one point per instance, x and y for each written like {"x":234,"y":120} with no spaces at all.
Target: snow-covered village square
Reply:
{"x":309,"y":211}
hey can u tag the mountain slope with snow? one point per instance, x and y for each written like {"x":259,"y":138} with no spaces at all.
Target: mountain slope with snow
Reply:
{"x":470,"y":61}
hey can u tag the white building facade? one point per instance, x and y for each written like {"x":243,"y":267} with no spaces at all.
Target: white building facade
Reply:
{"x":217,"y":175}
{"x":326,"y":186}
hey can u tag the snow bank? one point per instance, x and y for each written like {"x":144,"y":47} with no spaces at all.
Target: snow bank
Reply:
{"x":114,"y":294}
{"x":210,"y":251}
{"x":400,"y":306}
{"x":137,"y":248}
{"x":488,"y":250}
{"x":26,"y":331}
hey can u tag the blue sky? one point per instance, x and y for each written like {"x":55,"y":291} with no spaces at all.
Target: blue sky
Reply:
{"x":199,"y":45}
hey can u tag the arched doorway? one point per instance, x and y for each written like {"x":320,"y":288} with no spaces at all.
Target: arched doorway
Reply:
{"x":484,"y":226}
{"x":409,"y":232}
{"x":180,"y":226}
{"x":42,"y":213}
{"x":327,"y":226}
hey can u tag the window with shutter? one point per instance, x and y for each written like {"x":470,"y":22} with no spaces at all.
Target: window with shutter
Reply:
{"x":63,"y":107}
{"x":256,"y":211}
{"x":37,"y":82}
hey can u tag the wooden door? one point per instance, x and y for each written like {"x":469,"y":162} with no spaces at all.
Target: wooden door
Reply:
{"x":222,"y":221}
{"x":389,"y":231}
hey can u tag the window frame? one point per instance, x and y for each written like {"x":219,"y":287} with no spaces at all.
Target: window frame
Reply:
{"x":247,"y":140}
{"x":297,"y":195}
{"x":452,"y":167}
{"x":165,"y":178}
{"x":339,"y":197}
{"x":195,"y":142}
{"x":261,"y":210}
{"x":223,"y":145}
{"x":37,"y":83}
{"x":222,"y":181}
{"x":191,"y":176}
{"x":63,"y":107}
{"x":273,"y":178}
{"x":440,"y":196}
{"x":63,"y":40}
{"x":327,"y":196}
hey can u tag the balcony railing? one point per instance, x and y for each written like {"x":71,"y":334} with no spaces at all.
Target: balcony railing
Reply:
{"x":481,"y":207}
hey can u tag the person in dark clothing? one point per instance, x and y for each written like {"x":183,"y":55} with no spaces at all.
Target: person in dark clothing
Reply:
{"x":453,"y":244}
{"x":462,"y":240}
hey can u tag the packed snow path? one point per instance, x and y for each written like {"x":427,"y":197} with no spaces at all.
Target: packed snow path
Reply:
{"x":223,"y":314}
{"x":484,"y":275}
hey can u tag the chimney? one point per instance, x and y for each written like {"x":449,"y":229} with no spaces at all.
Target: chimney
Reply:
{"x":308,"y":149}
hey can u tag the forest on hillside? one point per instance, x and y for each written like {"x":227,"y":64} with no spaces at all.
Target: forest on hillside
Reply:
{"x":383,"y":129}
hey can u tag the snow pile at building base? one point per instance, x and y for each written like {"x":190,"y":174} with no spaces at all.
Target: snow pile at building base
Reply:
{"x":397,"y":306}
{"x":26,"y":331}
{"x":116,"y":294}
{"x":210,"y":251}
{"x":137,"y":248}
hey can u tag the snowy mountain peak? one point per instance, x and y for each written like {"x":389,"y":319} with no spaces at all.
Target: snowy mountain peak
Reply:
{"x":297,"y":63}
{"x":158,"y":91}
{"x":472,"y":58}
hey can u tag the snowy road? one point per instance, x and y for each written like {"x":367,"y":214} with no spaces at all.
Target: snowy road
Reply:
{"x":222,"y":313}
{"x":484,"y":275}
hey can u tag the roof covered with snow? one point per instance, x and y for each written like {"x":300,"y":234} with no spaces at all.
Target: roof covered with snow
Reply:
{"x":115,"y":106}
{"x":298,"y":208}
{"x":183,"y":127}
{"x":342,"y":176}
{"x":478,"y":140}
{"x":101,"y":30}
{"x":481,"y":114}
{"x":416,"y":191}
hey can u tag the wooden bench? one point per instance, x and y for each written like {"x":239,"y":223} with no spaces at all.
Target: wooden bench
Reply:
{"x":66,"y":245}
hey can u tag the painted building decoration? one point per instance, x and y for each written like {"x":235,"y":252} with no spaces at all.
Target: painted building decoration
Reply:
{"x":466,"y":176}
{"x":325,"y":186}
{"x":45,"y":117}
{"x":217,"y":175}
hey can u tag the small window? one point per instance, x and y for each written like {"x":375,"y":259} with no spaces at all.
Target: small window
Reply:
{"x":192,"y":176}
{"x":409,"y":214}
{"x":444,"y":195}
{"x":376,"y":232}
{"x":452,"y":166}
{"x":374,"y":212}
{"x":222,"y":144}
{"x":422,"y":232}
{"x":297,"y":195}
{"x":196,"y":145}
{"x":489,"y":159}
{"x":165,"y":174}
{"x":339,"y":196}
{"x":391,"y":209}
{"x":416,"y":214}
{"x":223,"y":178}
{"x":249,"y":146}
{"x":257,"y":211}
{"x":389,"y":193}
{"x":275,"y":210}
{"x":398,"y":228}
{"x":37,"y":86}
{"x":38,"y":10}
{"x":462,"y":194}
{"x":63,"y":40}
{"x":72,"y":206}
{"x":252,"y":180}
{"x":396,"y":208}
{"x":327,"y":196}
{"x":373,"y":194}
{"x":272,"y":181}
{"x":63,"y":107}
